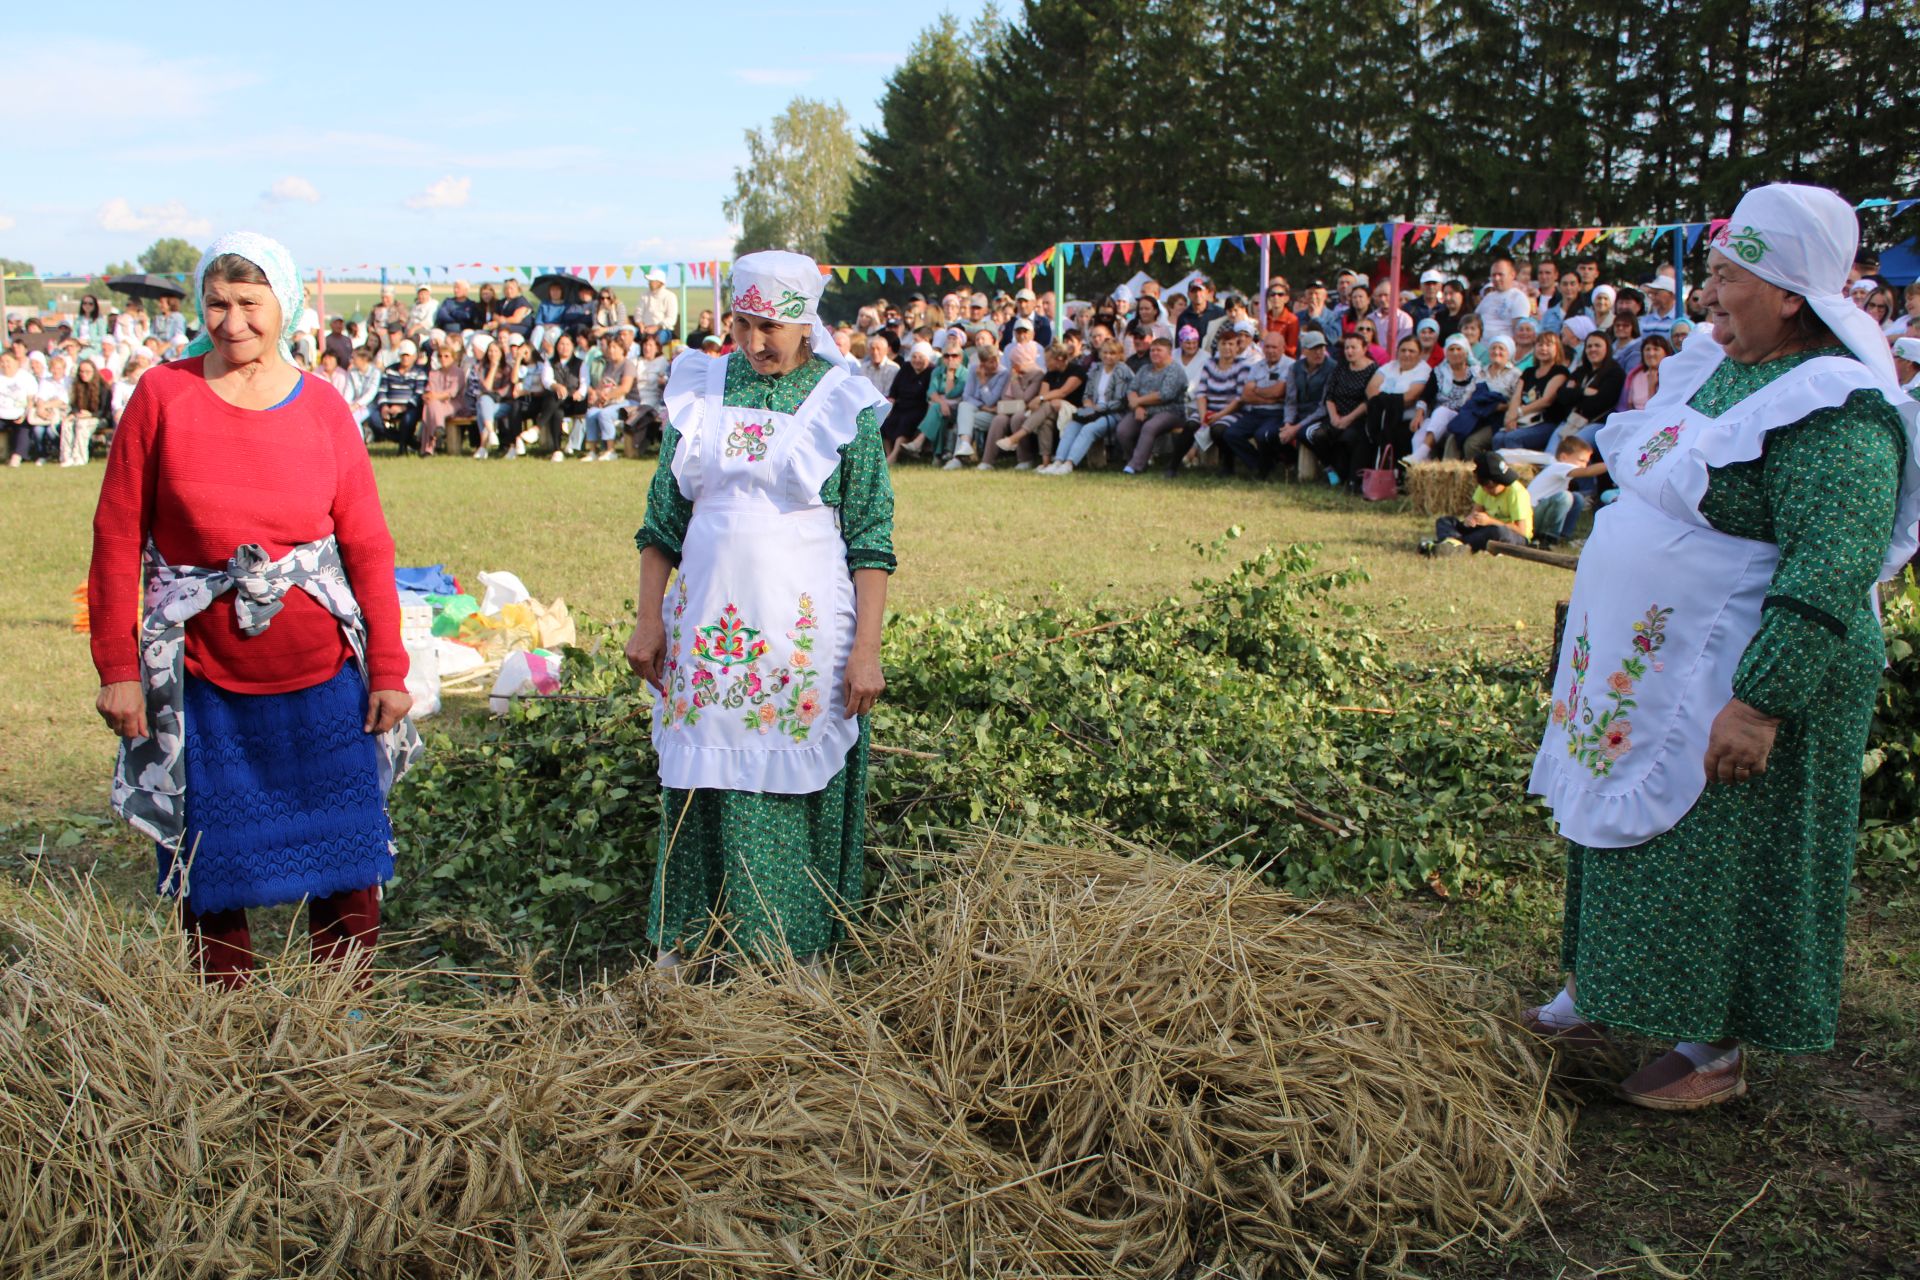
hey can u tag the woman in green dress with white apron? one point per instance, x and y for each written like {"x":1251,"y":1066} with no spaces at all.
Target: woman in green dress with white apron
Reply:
{"x":773,"y":504}
{"x":1722,"y":655}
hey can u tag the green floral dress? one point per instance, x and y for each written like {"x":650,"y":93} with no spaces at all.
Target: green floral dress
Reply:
{"x":803,"y":856}
{"x":1733,"y":923}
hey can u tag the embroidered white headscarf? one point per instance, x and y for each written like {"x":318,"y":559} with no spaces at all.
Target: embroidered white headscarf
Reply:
{"x":1803,"y":239}
{"x":283,"y":277}
{"x":786,"y":287}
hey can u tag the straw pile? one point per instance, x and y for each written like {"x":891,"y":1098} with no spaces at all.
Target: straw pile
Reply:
{"x":1446,"y":488}
{"x":1053,"y":1063}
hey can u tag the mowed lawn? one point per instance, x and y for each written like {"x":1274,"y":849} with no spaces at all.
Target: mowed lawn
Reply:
{"x":567,"y":530}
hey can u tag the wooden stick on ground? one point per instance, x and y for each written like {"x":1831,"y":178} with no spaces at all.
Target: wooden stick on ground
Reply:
{"x":1558,"y":559}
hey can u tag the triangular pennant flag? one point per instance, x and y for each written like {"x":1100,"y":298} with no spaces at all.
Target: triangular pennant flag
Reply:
{"x":1567,"y":237}
{"x":1126,"y":251}
{"x":1320,"y":237}
{"x":843,"y":273}
{"x":1238,"y":242}
{"x":1340,"y":234}
{"x":898,"y":273}
{"x":1146,"y":250}
{"x":1213,"y":248}
{"x":1280,"y":242}
{"x":953,"y":269}
{"x":1875,"y":203}
{"x":1169,"y":246}
{"x":1903,"y":206}
{"x":1633,"y":235}
{"x":915,"y":273}
{"x":1106,"y":252}
{"x":1693,"y":230}
{"x":968,"y":271}
{"x":527,"y":272}
{"x":1587,"y":237}
{"x":1664,"y":228}
{"x":1193,"y":250}
{"x":1442,"y":232}
{"x":1541,"y":236}
{"x":592,"y":272}
{"x":1300,"y":241}
{"x":629,"y":270}
{"x":1367,"y":232}
{"x":1513,"y":241}
{"x":1480,"y":236}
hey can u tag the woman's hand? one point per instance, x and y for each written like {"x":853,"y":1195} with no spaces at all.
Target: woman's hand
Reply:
{"x":1739,"y":743}
{"x":123,"y":705}
{"x":387,"y":708}
{"x":865,"y":683}
{"x":647,"y":651}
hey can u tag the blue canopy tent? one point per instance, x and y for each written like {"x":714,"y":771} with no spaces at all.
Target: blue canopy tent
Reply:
{"x":1900,"y":265}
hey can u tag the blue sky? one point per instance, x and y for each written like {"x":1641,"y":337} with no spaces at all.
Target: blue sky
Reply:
{"x":414,"y":133}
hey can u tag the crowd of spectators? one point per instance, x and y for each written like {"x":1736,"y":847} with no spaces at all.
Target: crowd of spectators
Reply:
{"x":1326,"y":384}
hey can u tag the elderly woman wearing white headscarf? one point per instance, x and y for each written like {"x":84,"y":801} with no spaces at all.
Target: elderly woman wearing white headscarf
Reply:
{"x":773,"y":502}
{"x":1723,"y":653}
{"x":261,"y":696}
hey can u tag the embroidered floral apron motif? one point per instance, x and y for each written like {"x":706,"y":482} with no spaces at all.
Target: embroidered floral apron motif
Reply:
{"x":150,"y":775}
{"x":1663,"y":608}
{"x":760,"y":615}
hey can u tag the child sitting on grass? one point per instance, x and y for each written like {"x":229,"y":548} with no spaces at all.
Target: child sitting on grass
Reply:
{"x":1502,"y":512}
{"x":1556,"y":505}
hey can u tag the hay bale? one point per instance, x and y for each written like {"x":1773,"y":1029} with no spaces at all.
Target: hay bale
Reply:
{"x":1060,"y":1063}
{"x":1446,"y":488}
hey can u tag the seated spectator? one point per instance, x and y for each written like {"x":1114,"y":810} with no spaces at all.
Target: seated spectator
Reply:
{"x":444,"y":397}
{"x":169,"y":325}
{"x":1306,"y":402}
{"x":1600,"y":307}
{"x":1907,"y":323}
{"x":1563,"y":306}
{"x":89,"y":409}
{"x":1056,"y":398}
{"x":1535,"y":408}
{"x":402,"y":389}
{"x":609,"y":400}
{"x":1502,"y":512}
{"x":1392,"y":394}
{"x":1364,"y":328}
{"x":1340,"y":442}
{"x":1451,"y":382}
{"x":977,"y":318}
{"x":1453,"y":308}
{"x":1906,"y":363}
{"x":363,"y":390}
{"x":646,"y":421}
{"x":944,"y":391}
{"x":459,"y":313}
{"x":1024,"y":308}
{"x":1505,"y":301}
{"x":1470,"y":433}
{"x":17,"y":387}
{"x":1215,"y":400}
{"x":1156,"y":404}
{"x":338,"y":342}
{"x":1202,"y":309}
{"x":515,"y":314}
{"x":879,"y":366}
{"x":1252,"y":440}
{"x":549,"y":318}
{"x":90,"y":325}
{"x":490,"y":391}
{"x":137,"y":365}
{"x":1526,"y":330}
{"x":420,"y":315}
{"x":47,"y":411}
{"x":1016,"y":401}
{"x":909,"y":391}
{"x":1660,"y":313}
{"x":1679,"y":333}
{"x":1626,"y":341}
{"x":388,"y":317}
{"x":1426,"y":335}
{"x":1026,"y":348}
{"x":1175,"y":309}
{"x":1282,"y":318}
{"x":578,"y":317}
{"x":1428,"y":302}
{"x":1556,"y":503}
{"x":488,"y":308}
{"x":130,"y":328}
{"x":1470,"y":330}
{"x":1644,"y":381}
{"x":331,"y":373}
{"x":560,"y":411}
{"x":1317,"y":314}
{"x":1101,"y":409}
{"x":608,"y":314}
{"x":1147,"y":313}
{"x":979,"y":401}
{"x":1401,"y":327}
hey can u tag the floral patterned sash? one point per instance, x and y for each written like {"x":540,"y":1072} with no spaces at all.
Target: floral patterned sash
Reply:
{"x":150,"y":776}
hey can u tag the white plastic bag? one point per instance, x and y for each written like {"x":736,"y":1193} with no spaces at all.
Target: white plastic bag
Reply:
{"x":423,"y":679}
{"x":524,"y":671}
{"x":503,"y":589}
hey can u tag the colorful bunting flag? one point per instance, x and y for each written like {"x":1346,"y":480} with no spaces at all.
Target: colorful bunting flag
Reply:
{"x":1280,"y":242}
{"x":1213,"y":248}
{"x":1106,"y":252}
{"x":1146,"y":250}
{"x":1367,"y":232}
{"x":1320,"y":237}
{"x":1193,"y":251}
{"x":1340,"y":234}
{"x":1238,"y":242}
{"x":1126,"y":251}
{"x":1300,"y":241}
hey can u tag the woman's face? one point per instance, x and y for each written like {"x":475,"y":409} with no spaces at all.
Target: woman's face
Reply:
{"x":1425,"y":338}
{"x":1365,"y":331}
{"x":1880,"y":305}
{"x":1408,"y":353}
{"x":770,"y":347}
{"x":1596,"y":349}
{"x":1470,"y":328}
{"x":86,"y":372}
{"x":650,"y":347}
{"x":1176,"y":304}
{"x":1623,"y":329}
{"x":1546,"y":351}
{"x":1354,"y":347}
{"x":1457,"y":359}
{"x":563,"y":348}
{"x":89,"y":306}
{"x":1569,"y":288}
{"x":1650,"y":358}
{"x":1498,"y":356}
{"x":1189,"y":344}
{"x":1361,"y":299}
{"x":1525,"y":336}
{"x":1149,"y":310}
{"x":243,"y":320}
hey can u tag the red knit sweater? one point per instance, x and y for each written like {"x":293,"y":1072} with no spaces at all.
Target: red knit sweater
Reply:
{"x":202,"y":477}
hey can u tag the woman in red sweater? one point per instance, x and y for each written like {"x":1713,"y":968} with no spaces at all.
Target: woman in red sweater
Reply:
{"x":261,"y":694}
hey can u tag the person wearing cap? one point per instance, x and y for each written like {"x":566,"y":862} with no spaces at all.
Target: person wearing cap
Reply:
{"x":261,"y":695}
{"x":976,"y":319}
{"x":1428,"y":303}
{"x":1502,"y":512}
{"x":1600,"y":306}
{"x":1023,"y":309}
{"x":1703,"y":754}
{"x":773,"y":503}
{"x":337,"y":341}
{"x":1906,"y":363}
{"x":1660,"y":311}
{"x":402,"y":388}
{"x":1202,"y":310}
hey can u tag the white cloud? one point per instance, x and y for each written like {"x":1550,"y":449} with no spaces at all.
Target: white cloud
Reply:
{"x":448,"y":193}
{"x":292,"y":188}
{"x":169,"y":219}
{"x":788,"y":76}
{"x":6,"y":223}
{"x":124,"y":82}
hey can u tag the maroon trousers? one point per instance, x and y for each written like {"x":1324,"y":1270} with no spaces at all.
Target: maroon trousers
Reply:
{"x":223,"y":946}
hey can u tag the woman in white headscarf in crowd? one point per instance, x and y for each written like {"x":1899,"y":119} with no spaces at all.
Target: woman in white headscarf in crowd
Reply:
{"x":1722,"y":657}
{"x":773,"y":503}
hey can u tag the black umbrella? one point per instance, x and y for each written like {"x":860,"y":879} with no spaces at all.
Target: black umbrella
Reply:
{"x":147,"y":287}
{"x":570,"y":286}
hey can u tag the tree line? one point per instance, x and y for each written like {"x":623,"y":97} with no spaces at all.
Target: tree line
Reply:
{"x":1125,"y":118}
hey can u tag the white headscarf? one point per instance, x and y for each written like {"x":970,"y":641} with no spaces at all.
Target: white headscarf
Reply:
{"x":1803,"y":239}
{"x":786,"y":287}
{"x":283,"y":277}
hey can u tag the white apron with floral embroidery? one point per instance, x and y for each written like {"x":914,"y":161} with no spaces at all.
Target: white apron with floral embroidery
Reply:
{"x":1663,"y":606}
{"x":760,"y":617}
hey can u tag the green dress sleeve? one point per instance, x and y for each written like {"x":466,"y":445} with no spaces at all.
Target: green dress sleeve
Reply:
{"x":668,"y":511}
{"x":863,"y":491}
{"x":1831,"y":483}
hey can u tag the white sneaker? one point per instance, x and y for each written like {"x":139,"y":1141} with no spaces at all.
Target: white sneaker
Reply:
{"x":480,"y":454}
{"x":984,"y":466}
{"x":1023,"y":466}
{"x":608,"y":456}
{"x":963,"y":448}
{"x":1063,"y":468}
{"x":517,"y":450}
{"x":559,"y":455}
{"x":589,"y":456}
{"x":953,"y":464}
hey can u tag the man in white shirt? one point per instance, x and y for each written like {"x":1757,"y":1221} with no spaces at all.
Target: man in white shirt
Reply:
{"x":879,"y":366}
{"x":1504,"y":303}
{"x":1906,"y":363}
{"x":658,"y":310}
{"x":1660,"y":315}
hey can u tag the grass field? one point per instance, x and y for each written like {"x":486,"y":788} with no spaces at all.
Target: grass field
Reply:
{"x":1816,"y":1175}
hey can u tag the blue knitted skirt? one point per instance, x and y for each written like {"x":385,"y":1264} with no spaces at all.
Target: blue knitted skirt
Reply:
{"x":283,"y":796}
